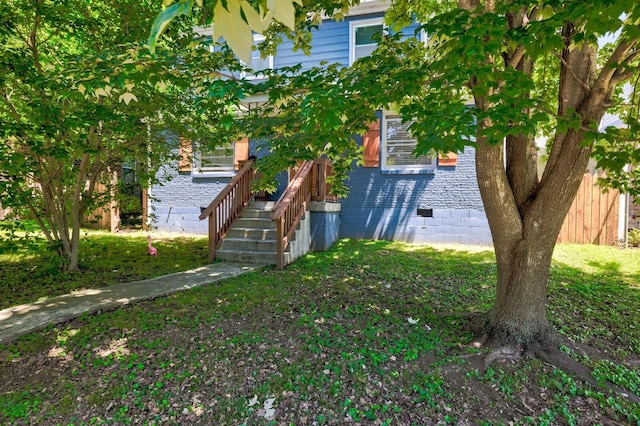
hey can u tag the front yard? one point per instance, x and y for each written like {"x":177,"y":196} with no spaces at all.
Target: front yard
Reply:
{"x":366,"y":333}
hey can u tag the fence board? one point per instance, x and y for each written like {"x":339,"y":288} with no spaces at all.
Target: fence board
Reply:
{"x":596,"y":217}
{"x":612,"y":218}
{"x":580,"y":206}
{"x":593,"y":216}
{"x":100,"y":218}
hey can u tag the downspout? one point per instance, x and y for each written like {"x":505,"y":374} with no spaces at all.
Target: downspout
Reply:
{"x":626,"y":220}
{"x":147,"y":192}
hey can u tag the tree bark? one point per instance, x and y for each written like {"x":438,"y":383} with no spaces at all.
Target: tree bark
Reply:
{"x":518,"y":315}
{"x":525,"y":216}
{"x":524,"y":235}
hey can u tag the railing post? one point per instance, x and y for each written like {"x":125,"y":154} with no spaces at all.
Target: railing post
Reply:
{"x":322,"y":178}
{"x":213,"y":235}
{"x":280,"y":243}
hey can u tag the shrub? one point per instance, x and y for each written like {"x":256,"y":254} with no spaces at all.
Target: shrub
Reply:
{"x":634,"y":237}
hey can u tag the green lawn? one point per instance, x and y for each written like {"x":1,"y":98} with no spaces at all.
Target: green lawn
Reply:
{"x":367,"y":332}
{"x":31,"y":272}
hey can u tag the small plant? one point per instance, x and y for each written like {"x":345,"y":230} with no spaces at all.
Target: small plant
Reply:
{"x":634,"y":237}
{"x":19,"y":405}
{"x":618,"y":374}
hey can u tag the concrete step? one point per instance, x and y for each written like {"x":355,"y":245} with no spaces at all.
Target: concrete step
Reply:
{"x":254,"y":223}
{"x":256,"y":213}
{"x":252,"y":233}
{"x":253,"y":237}
{"x":249,"y":244}
{"x":254,"y":257}
{"x":262,"y":205}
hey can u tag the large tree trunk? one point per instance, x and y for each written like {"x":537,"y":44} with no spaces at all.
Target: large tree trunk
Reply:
{"x":524,"y":233}
{"x":525,"y":215}
{"x":519,"y":313}
{"x":523,"y":257}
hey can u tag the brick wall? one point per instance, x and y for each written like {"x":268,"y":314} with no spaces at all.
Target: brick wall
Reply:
{"x":383,"y":206}
{"x":379,"y":206}
{"x":176,"y":204}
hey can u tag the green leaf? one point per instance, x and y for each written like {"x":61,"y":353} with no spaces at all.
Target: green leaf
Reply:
{"x":164,"y":18}
{"x":257,"y":22}
{"x":228,"y":24}
{"x":284,"y":12}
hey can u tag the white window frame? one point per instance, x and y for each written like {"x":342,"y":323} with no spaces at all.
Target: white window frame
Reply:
{"x":424,"y":37}
{"x":353,"y":26}
{"x":421,"y":164}
{"x":257,"y":38}
{"x":213,"y":171}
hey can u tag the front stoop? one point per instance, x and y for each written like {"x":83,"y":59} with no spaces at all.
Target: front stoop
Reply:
{"x":252,"y":238}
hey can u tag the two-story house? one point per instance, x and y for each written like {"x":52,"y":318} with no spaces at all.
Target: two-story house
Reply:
{"x":393,"y":196}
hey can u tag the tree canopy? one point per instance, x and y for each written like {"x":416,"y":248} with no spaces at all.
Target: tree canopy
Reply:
{"x":78,"y":98}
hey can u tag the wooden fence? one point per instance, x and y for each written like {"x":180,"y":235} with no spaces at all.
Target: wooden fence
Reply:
{"x":105,"y":217}
{"x":593,"y":216}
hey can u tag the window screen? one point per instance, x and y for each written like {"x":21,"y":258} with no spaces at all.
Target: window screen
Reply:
{"x":366,"y":40}
{"x":217,"y":159}
{"x":399,"y":145}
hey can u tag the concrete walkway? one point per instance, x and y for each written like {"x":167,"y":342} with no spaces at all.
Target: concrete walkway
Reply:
{"x":19,"y":320}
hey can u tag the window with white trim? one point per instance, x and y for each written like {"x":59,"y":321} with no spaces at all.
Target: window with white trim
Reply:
{"x":257,"y":62}
{"x":364,"y":36}
{"x":397,"y":146}
{"x":220,"y":159}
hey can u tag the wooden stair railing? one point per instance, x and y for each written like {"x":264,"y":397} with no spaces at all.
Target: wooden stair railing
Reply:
{"x":320,"y":189}
{"x":228,"y":205}
{"x":290,"y":209}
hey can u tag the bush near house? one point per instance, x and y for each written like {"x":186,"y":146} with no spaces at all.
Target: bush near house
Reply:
{"x":634,"y":237}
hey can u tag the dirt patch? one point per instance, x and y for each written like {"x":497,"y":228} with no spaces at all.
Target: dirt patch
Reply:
{"x":291,"y":369}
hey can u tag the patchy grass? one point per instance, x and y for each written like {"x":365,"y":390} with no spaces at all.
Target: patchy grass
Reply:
{"x":367,"y":332}
{"x":30,"y":272}
{"x":593,"y":288}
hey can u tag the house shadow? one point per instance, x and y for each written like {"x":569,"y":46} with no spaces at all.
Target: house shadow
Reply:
{"x":408,"y":207}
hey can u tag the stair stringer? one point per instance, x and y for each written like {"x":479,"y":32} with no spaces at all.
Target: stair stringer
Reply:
{"x":300,"y":244}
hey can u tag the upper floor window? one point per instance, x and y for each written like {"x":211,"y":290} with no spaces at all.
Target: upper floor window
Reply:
{"x":398,"y":145}
{"x":364,"y":36}
{"x":257,"y":62}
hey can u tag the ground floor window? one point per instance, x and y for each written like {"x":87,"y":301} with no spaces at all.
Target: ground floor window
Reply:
{"x":218,"y":159}
{"x":398,"y":144}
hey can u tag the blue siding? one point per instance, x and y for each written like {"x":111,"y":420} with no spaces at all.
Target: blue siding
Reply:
{"x":330,"y":43}
{"x":379,"y":206}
